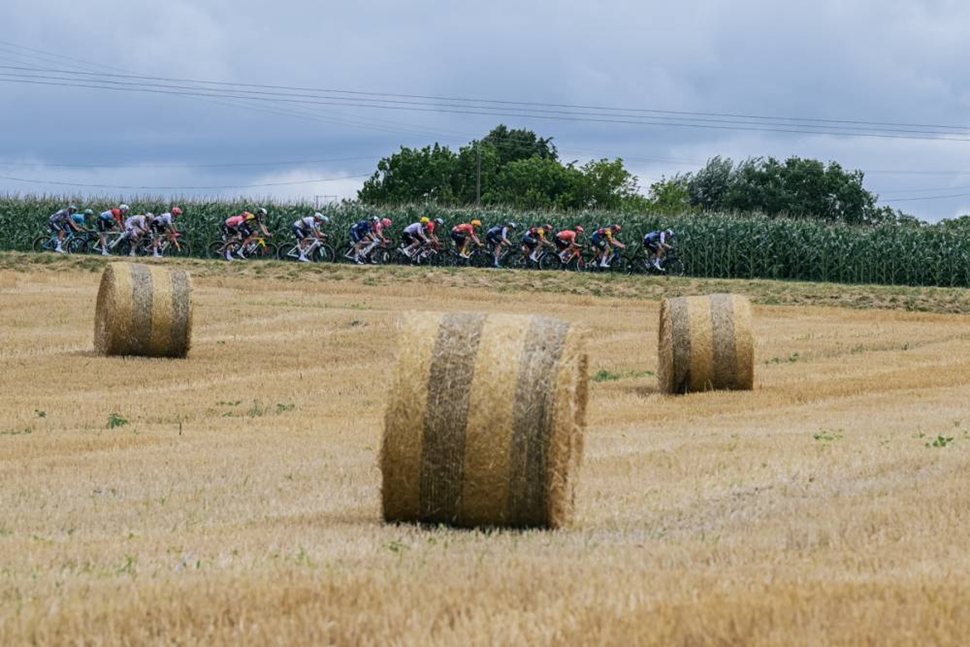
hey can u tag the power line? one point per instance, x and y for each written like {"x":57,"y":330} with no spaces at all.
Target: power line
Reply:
{"x":181,"y":188}
{"x":190,"y":166}
{"x":171,"y":86}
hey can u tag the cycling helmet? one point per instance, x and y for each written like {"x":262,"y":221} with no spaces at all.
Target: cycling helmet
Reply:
{"x":439,"y":221}
{"x":322,"y":218}
{"x":262,"y":212}
{"x":72,"y":209}
{"x":476,"y":223}
{"x":176,"y":212}
{"x":123,"y":208}
{"x":579,"y":229}
{"x":375,"y":219}
{"x":386,"y":222}
{"x":425,"y":221}
{"x":547,"y":227}
{"x":512,"y":225}
{"x":249,"y":216}
{"x":149,"y":215}
{"x":616,"y":228}
{"x":670,"y":233}
{"x":88,"y":212}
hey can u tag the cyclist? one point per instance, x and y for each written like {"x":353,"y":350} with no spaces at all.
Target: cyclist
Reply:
{"x":566,"y":243}
{"x":306,"y":228}
{"x":235,"y":226}
{"x":81,"y":219}
{"x":465,"y":234}
{"x":109,"y":221}
{"x":164,"y":224}
{"x":498,"y":238}
{"x":604,"y":240}
{"x":415,"y":235}
{"x":372,"y":239}
{"x":360,"y":234}
{"x":251,"y":220}
{"x":62,"y":222}
{"x":135,"y":228}
{"x":433,"y":231}
{"x":659,"y":242}
{"x":534,"y":239}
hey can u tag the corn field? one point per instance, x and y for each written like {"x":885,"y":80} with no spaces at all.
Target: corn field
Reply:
{"x":712,"y":245}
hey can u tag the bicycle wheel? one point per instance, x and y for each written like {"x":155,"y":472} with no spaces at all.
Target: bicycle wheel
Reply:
{"x":674,"y":267}
{"x":184,"y":250}
{"x":215,"y":249}
{"x":550,"y":261}
{"x":77,"y":246}
{"x":326,"y":254}
{"x":481,"y":258}
{"x":42,"y":244}
{"x":288,"y":252}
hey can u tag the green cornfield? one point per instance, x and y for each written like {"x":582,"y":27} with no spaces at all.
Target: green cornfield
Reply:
{"x":713,"y":245}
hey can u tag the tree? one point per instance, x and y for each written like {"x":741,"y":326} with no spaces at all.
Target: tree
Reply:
{"x":411,"y":175}
{"x":670,"y":197}
{"x":516,"y":167}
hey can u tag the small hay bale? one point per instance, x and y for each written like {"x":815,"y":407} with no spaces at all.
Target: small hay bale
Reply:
{"x":706,"y":344}
{"x":144,"y":311}
{"x":484,"y":427}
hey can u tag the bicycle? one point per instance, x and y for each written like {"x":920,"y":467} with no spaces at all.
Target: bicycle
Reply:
{"x":478,"y":257}
{"x":48,"y":243}
{"x":573,"y":262}
{"x":616,"y":263}
{"x":319,"y":251}
{"x":641,"y":262}
{"x":379,"y":254}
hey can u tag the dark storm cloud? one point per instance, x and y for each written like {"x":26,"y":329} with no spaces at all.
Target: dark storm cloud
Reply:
{"x":876,"y":61}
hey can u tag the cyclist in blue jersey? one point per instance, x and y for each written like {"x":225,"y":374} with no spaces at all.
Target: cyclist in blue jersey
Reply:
{"x":659,"y":242}
{"x":361,"y":233}
{"x":499,"y":239}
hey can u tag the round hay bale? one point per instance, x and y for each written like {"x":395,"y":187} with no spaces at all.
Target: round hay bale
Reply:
{"x":144,"y":311}
{"x":706,"y":344}
{"x":484,"y":426}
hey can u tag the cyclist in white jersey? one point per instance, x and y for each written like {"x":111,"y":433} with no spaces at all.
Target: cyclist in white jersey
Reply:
{"x":414,"y":236}
{"x":306,"y":228}
{"x":164,"y":224}
{"x":135,"y":228}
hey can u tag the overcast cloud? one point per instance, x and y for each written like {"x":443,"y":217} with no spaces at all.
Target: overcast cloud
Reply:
{"x":888,"y":61}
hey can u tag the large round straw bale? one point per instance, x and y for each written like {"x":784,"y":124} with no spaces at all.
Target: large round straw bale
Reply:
{"x":706,"y":344}
{"x":485,"y":421}
{"x":144,"y":311}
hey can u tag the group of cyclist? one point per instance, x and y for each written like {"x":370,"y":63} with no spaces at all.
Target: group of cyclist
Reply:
{"x":134,"y":227}
{"x":416,"y":238}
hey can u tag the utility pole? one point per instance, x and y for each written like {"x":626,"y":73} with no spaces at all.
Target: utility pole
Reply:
{"x":478,"y":176}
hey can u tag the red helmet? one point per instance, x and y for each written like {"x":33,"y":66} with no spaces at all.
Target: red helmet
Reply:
{"x":616,"y":228}
{"x":579,"y":229}
{"x":176,"y":212}
{"x":386,"y":222}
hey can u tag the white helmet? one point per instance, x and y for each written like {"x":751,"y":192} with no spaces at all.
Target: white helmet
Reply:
{"x":322,"y":218}
{"x":123,"y":208}
{"x":149,"y":215}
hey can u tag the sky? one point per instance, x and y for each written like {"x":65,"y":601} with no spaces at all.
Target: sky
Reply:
{"x":867,"y":62}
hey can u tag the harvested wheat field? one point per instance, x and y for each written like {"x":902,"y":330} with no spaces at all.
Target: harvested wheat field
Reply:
{"x":234,"y":497}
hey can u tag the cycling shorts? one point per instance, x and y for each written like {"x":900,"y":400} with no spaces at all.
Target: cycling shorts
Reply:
{"x":530,"y":241}
{"x":106,"y":224}
{"x":58,"y":226}
{"x":301,"y":233}
{"x":494,"y":239}
{"x":458,"y":237}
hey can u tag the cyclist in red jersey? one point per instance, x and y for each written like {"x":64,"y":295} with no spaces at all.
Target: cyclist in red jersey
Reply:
{"x":465,"y":234}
